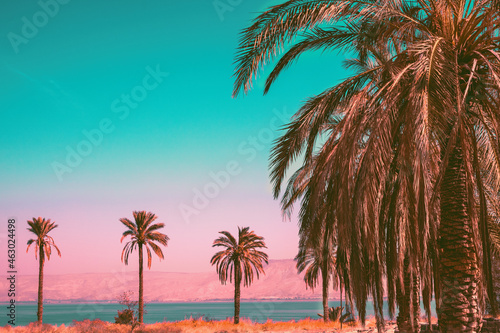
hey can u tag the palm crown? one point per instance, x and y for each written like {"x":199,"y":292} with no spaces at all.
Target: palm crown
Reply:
{"x":242,"y":253}
{"x":143,"y":232}
{"x":41,"y":227}
{"x":313,"y":258}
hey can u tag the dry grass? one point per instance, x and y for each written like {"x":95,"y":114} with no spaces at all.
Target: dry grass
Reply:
{"x":189,"y":325}
{"x":305,"y":325}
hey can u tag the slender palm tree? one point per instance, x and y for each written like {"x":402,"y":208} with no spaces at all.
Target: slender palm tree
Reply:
{"x":316,"y":253}
{"x":424,"y":101}
{"x":43,"y":248}
{"x":318,"y":259}
{"x":238,"y":261}
{"x":143,"y":233}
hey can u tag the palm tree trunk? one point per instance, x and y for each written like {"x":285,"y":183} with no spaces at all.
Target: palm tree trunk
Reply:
{"x":324,"y":272}
{"x":459,"y":273}
{"x":39,"y":312}
{"x":141,"y":286}
{"x":416,"y":302}
{"x":409,"y":301}
{"x":496,"y":277}
{"x":237,"y":286}
{"x":495,"y":270}
{"x":341,"y":308}
{"x":403,"y":298}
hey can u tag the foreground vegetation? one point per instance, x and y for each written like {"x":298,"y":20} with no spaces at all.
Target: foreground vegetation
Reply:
{"x":190,"y":325}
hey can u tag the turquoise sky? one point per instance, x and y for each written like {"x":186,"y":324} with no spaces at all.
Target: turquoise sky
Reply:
{"x":114,"y":106}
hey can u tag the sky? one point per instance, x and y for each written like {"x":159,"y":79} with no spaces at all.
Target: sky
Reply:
{"x":108,"y":107}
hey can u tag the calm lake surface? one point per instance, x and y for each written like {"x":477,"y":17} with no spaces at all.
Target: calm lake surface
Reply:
{"x":57,"y":314}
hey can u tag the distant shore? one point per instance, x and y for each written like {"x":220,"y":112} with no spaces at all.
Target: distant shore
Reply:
{"x":220,"y":300}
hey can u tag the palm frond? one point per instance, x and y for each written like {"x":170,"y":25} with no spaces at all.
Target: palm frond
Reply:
{"x":41,"y":227}
{"x":242,"y":253}
{"x":143,"y":233}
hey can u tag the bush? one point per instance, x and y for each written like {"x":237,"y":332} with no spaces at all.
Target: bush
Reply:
{"x":129,"y":315}
{"x":126,"y":316}
{"x":335,"y":314}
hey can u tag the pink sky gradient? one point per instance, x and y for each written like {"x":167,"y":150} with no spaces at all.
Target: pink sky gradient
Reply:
{"x":64,"y":83}
{"x":89,"y":235}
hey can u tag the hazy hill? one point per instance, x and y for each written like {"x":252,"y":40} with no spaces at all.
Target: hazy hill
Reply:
{"x":281,"y":281}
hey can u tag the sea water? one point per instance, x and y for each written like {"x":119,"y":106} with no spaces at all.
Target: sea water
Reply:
{"x":57,"y":314}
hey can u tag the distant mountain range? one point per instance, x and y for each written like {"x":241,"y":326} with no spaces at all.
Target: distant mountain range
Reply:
{"x":281,"y":282}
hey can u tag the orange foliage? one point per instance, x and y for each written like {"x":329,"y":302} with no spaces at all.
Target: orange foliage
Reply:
{"x":188,"y":325}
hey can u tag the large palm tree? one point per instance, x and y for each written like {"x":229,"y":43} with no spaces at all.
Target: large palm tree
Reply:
{"x":143,"y":233}
{"x":238,"y":261}
{"x":424,"y":101}
{"x":43,"y":248}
